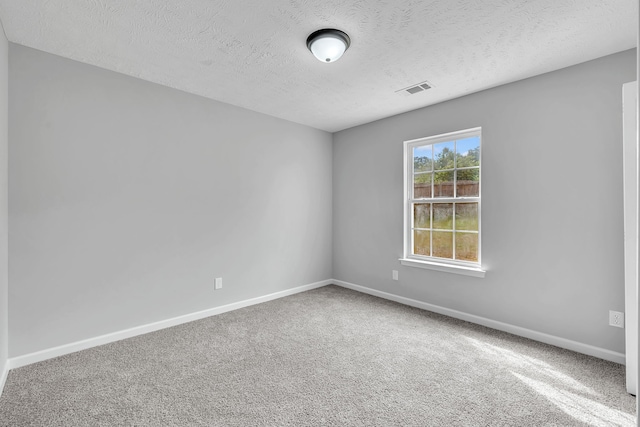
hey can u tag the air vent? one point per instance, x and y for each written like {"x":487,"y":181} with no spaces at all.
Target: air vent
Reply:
{"x":413,"y":89}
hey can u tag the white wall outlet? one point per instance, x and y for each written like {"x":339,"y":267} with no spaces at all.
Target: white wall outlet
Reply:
{"x":616,"y":318}
{"x":218,"y":283}
{"x":394,"y":274}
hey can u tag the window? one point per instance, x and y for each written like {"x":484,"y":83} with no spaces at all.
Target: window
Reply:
{"x":442,"y":202}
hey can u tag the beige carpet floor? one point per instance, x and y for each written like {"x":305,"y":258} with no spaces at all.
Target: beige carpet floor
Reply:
{"x":327,"y":357}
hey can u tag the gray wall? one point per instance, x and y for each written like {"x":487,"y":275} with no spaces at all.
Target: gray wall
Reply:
{"x":4,"y":190}
{"x":552,"y":202}
{"x":127,"y":199}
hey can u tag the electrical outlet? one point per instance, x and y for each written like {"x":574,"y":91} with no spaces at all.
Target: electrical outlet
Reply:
{"x":394,"y":274}
{"x":218,"y":283}
{"x":616,"y":318}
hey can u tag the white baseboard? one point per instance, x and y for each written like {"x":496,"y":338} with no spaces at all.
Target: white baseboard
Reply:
{"x":494,"y":324}
{"x":39,"y":356}
{"x":3,"y":376}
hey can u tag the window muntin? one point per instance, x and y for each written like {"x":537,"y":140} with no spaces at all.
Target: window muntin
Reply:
{"x":442,"y":202}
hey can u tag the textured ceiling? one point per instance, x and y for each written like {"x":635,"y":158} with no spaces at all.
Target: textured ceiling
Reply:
{"x":253,"y":54}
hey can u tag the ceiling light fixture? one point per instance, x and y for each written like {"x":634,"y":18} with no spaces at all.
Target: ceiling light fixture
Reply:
{"x":328,"y":44}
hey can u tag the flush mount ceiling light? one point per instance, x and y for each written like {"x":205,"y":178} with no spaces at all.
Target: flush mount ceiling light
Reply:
{"x":328,"y":44}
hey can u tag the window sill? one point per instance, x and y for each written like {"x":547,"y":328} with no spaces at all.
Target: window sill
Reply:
{"x":448,"y":268}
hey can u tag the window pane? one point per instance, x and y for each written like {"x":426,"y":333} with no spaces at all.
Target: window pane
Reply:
{"x":443,"y":216}
{"x":468,"y":152}
{"x":443,"y":184}
{"x":422,"y":242}
{"x":467,"y":216}
{"x":422,"y":185}
{"x":468,"y":183}
{"x":422,"y":215}
{"x":443,"y":155}
{"x":444,"y":197}
{"x":423,"y":159}
{"x":443,"y":244}
{"x":466,"y":246}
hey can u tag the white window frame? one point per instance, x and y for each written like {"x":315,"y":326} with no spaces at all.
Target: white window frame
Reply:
{"x":434,"y":263}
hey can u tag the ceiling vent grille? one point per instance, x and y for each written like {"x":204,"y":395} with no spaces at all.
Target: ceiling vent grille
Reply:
{"x":413,"y":89}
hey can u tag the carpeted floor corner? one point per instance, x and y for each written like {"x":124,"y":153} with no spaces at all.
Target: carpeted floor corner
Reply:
{"x":327,"y":357}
